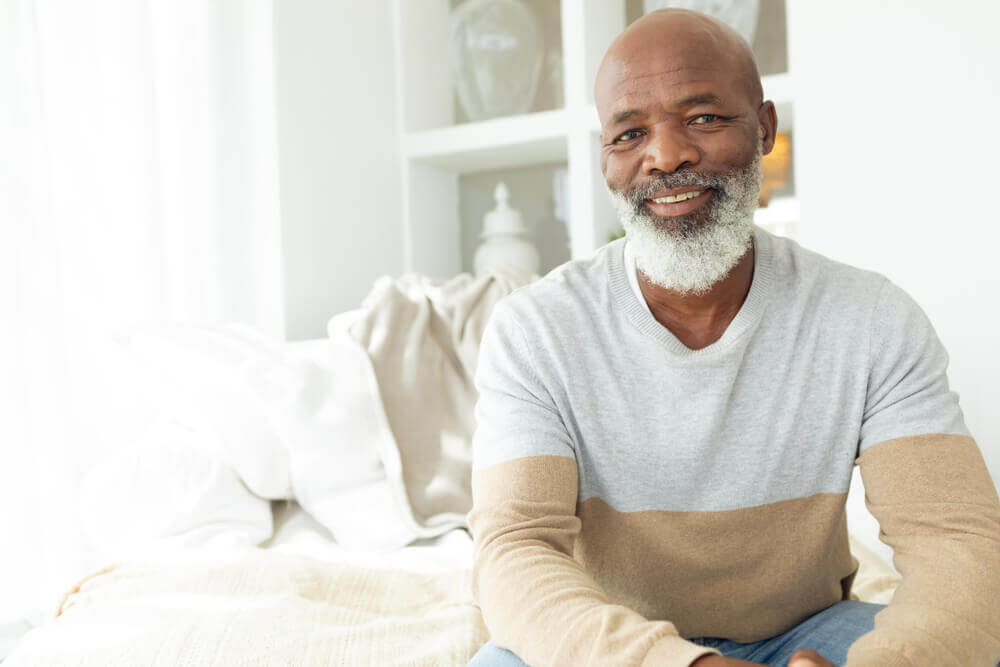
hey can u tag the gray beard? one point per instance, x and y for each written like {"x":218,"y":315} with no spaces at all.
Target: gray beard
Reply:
{"x":691,"y":253}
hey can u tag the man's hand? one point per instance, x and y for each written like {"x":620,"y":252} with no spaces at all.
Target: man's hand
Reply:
{"x":719,"y":661}
{"x":808,"y":658}
{"x":801,"y":658}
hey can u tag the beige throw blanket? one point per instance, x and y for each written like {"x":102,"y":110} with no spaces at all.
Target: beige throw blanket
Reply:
{"x":255,"y":607}
{"x":422,"y":339}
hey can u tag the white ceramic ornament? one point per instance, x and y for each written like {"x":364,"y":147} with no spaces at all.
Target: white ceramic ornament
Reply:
{"x":505,"y":245}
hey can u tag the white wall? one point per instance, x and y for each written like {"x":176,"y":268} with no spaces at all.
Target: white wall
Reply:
{"x":894,"y":142}
{"x":896,"y":145}
{"x":338,"y":142}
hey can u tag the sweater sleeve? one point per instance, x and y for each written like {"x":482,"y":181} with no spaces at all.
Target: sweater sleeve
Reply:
{"x":537,"y":601}
{"x":928,"y":486}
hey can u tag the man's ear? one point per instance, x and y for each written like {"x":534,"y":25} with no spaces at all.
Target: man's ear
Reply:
{"x":768,"y":118}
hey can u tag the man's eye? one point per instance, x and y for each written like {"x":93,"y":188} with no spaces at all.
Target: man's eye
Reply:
{"x":705,"y":119}
{"x":627,"y":136}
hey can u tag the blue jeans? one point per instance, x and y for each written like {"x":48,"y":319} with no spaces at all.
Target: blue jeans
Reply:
{"x":829,"y":632}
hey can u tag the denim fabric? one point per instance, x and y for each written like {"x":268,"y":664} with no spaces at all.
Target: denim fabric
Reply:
{"x":830,"y":632}
{"x":491,"y":655}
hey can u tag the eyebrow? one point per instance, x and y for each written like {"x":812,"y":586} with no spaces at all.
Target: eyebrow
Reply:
{"x":623,"y":116}
{"x":701,"y":98}
{"x":693,"y":100}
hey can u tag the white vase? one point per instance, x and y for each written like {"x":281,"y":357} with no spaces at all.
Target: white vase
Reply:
{"x":496,"y":52}
{"x":505,"y":247}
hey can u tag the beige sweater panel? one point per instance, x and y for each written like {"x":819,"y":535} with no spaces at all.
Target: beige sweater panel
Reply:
{"x":939,"y":511}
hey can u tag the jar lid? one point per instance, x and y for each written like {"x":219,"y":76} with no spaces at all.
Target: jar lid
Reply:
{"x":503,"y":219}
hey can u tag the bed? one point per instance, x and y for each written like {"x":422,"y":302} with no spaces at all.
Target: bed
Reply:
{"x":300,"y":599}
{"x":304,"y":503}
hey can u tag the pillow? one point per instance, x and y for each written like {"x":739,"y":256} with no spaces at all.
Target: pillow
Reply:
{"x":197,"y":377}
{"x":327,"y":412}
{"x":877,"y":579}
{"x":168,"y":490}
{"x":300,"y":420}
{"x":862,"y":526}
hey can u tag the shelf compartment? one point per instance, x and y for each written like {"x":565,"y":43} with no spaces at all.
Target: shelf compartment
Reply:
{"x":780,"y":89}
{"x":780,"y":217}
{"x":536,"y":191}
{"x":535,"y":138}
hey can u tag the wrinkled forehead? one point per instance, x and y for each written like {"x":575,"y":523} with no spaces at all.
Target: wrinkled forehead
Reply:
{"x":669,"y":70}
{"x":667,"y":84}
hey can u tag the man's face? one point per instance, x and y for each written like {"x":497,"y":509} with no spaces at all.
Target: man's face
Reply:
{"x":684,"y":130}
{"x":678,"y":120}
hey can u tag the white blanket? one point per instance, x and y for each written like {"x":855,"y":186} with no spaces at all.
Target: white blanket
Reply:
{"x":369,"y":430}
{"x":257,"y":607}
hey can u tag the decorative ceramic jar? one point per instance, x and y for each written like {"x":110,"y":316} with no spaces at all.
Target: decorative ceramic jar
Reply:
{"x":741,"y":15}
{"x":505,"y":245}
{"x":496,"y":53}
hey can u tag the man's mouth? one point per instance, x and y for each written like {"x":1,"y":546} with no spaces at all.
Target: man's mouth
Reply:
{"x":678,"y":201}
{"x":670,"y":199}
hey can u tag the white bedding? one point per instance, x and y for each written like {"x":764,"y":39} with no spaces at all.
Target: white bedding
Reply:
{"x":298,"y":533}
{"x":298,"y":599}
{"x":244,"y":419}
{"x":248,"y":606}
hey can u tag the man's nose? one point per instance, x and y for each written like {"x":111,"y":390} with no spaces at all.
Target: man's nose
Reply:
{"x":668,"y":150}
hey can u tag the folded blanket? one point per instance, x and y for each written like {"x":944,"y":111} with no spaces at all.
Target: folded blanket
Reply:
{"x":412,"y":350}
{"x":255,"y":607}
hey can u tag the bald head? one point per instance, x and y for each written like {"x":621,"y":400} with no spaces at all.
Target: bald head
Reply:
{"x":680,"y":42}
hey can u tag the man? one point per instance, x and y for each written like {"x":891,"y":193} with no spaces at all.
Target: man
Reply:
{"x":666,"y":431}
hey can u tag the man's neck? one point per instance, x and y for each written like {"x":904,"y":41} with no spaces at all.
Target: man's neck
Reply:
{"x":700,"y":320}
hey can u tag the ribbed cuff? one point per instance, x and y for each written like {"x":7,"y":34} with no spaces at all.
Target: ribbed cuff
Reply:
{"x":675,"y":652}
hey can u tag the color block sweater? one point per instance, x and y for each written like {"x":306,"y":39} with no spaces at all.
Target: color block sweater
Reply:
{"x":630,"y":492}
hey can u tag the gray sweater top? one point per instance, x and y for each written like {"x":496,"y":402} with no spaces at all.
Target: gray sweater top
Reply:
{"x":629,"y":491}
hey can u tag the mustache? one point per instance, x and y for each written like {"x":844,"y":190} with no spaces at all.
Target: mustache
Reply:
{"x":637,"y":195}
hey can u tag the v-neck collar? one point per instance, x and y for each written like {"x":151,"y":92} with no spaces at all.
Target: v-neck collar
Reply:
{"x":624,"y":287}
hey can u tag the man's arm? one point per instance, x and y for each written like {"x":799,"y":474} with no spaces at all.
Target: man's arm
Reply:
{"x":927,"y":484}
{"x":536,"y":599}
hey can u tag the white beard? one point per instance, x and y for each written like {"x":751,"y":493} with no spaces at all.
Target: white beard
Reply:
{"x":688,"y":258}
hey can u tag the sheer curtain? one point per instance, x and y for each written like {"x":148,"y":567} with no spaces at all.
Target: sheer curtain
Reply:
{"x":138,"y":182}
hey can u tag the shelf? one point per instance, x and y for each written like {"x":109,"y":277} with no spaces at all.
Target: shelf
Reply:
{"x":781,"y":216}
{"x":780,"y":89}
{"x":535,"y":138}
{"x":779,"y":210}
{"x":445,"y":164}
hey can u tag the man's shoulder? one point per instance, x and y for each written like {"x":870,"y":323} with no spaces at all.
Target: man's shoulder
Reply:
{"x":572,"y":289}
{"x":803,"y":264}
{"x":815,"y":281}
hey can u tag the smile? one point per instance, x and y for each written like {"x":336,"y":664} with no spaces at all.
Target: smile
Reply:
{"x":670,"y":199}
{"x":679,"y":202}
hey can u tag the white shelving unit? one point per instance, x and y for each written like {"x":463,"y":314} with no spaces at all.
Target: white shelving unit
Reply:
{"x":436,"y":152}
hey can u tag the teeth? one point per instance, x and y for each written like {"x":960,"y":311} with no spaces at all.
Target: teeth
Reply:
{"x":670,"y":199}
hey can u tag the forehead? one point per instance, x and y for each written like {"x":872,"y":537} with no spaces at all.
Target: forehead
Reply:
{"x":663,"y":77}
